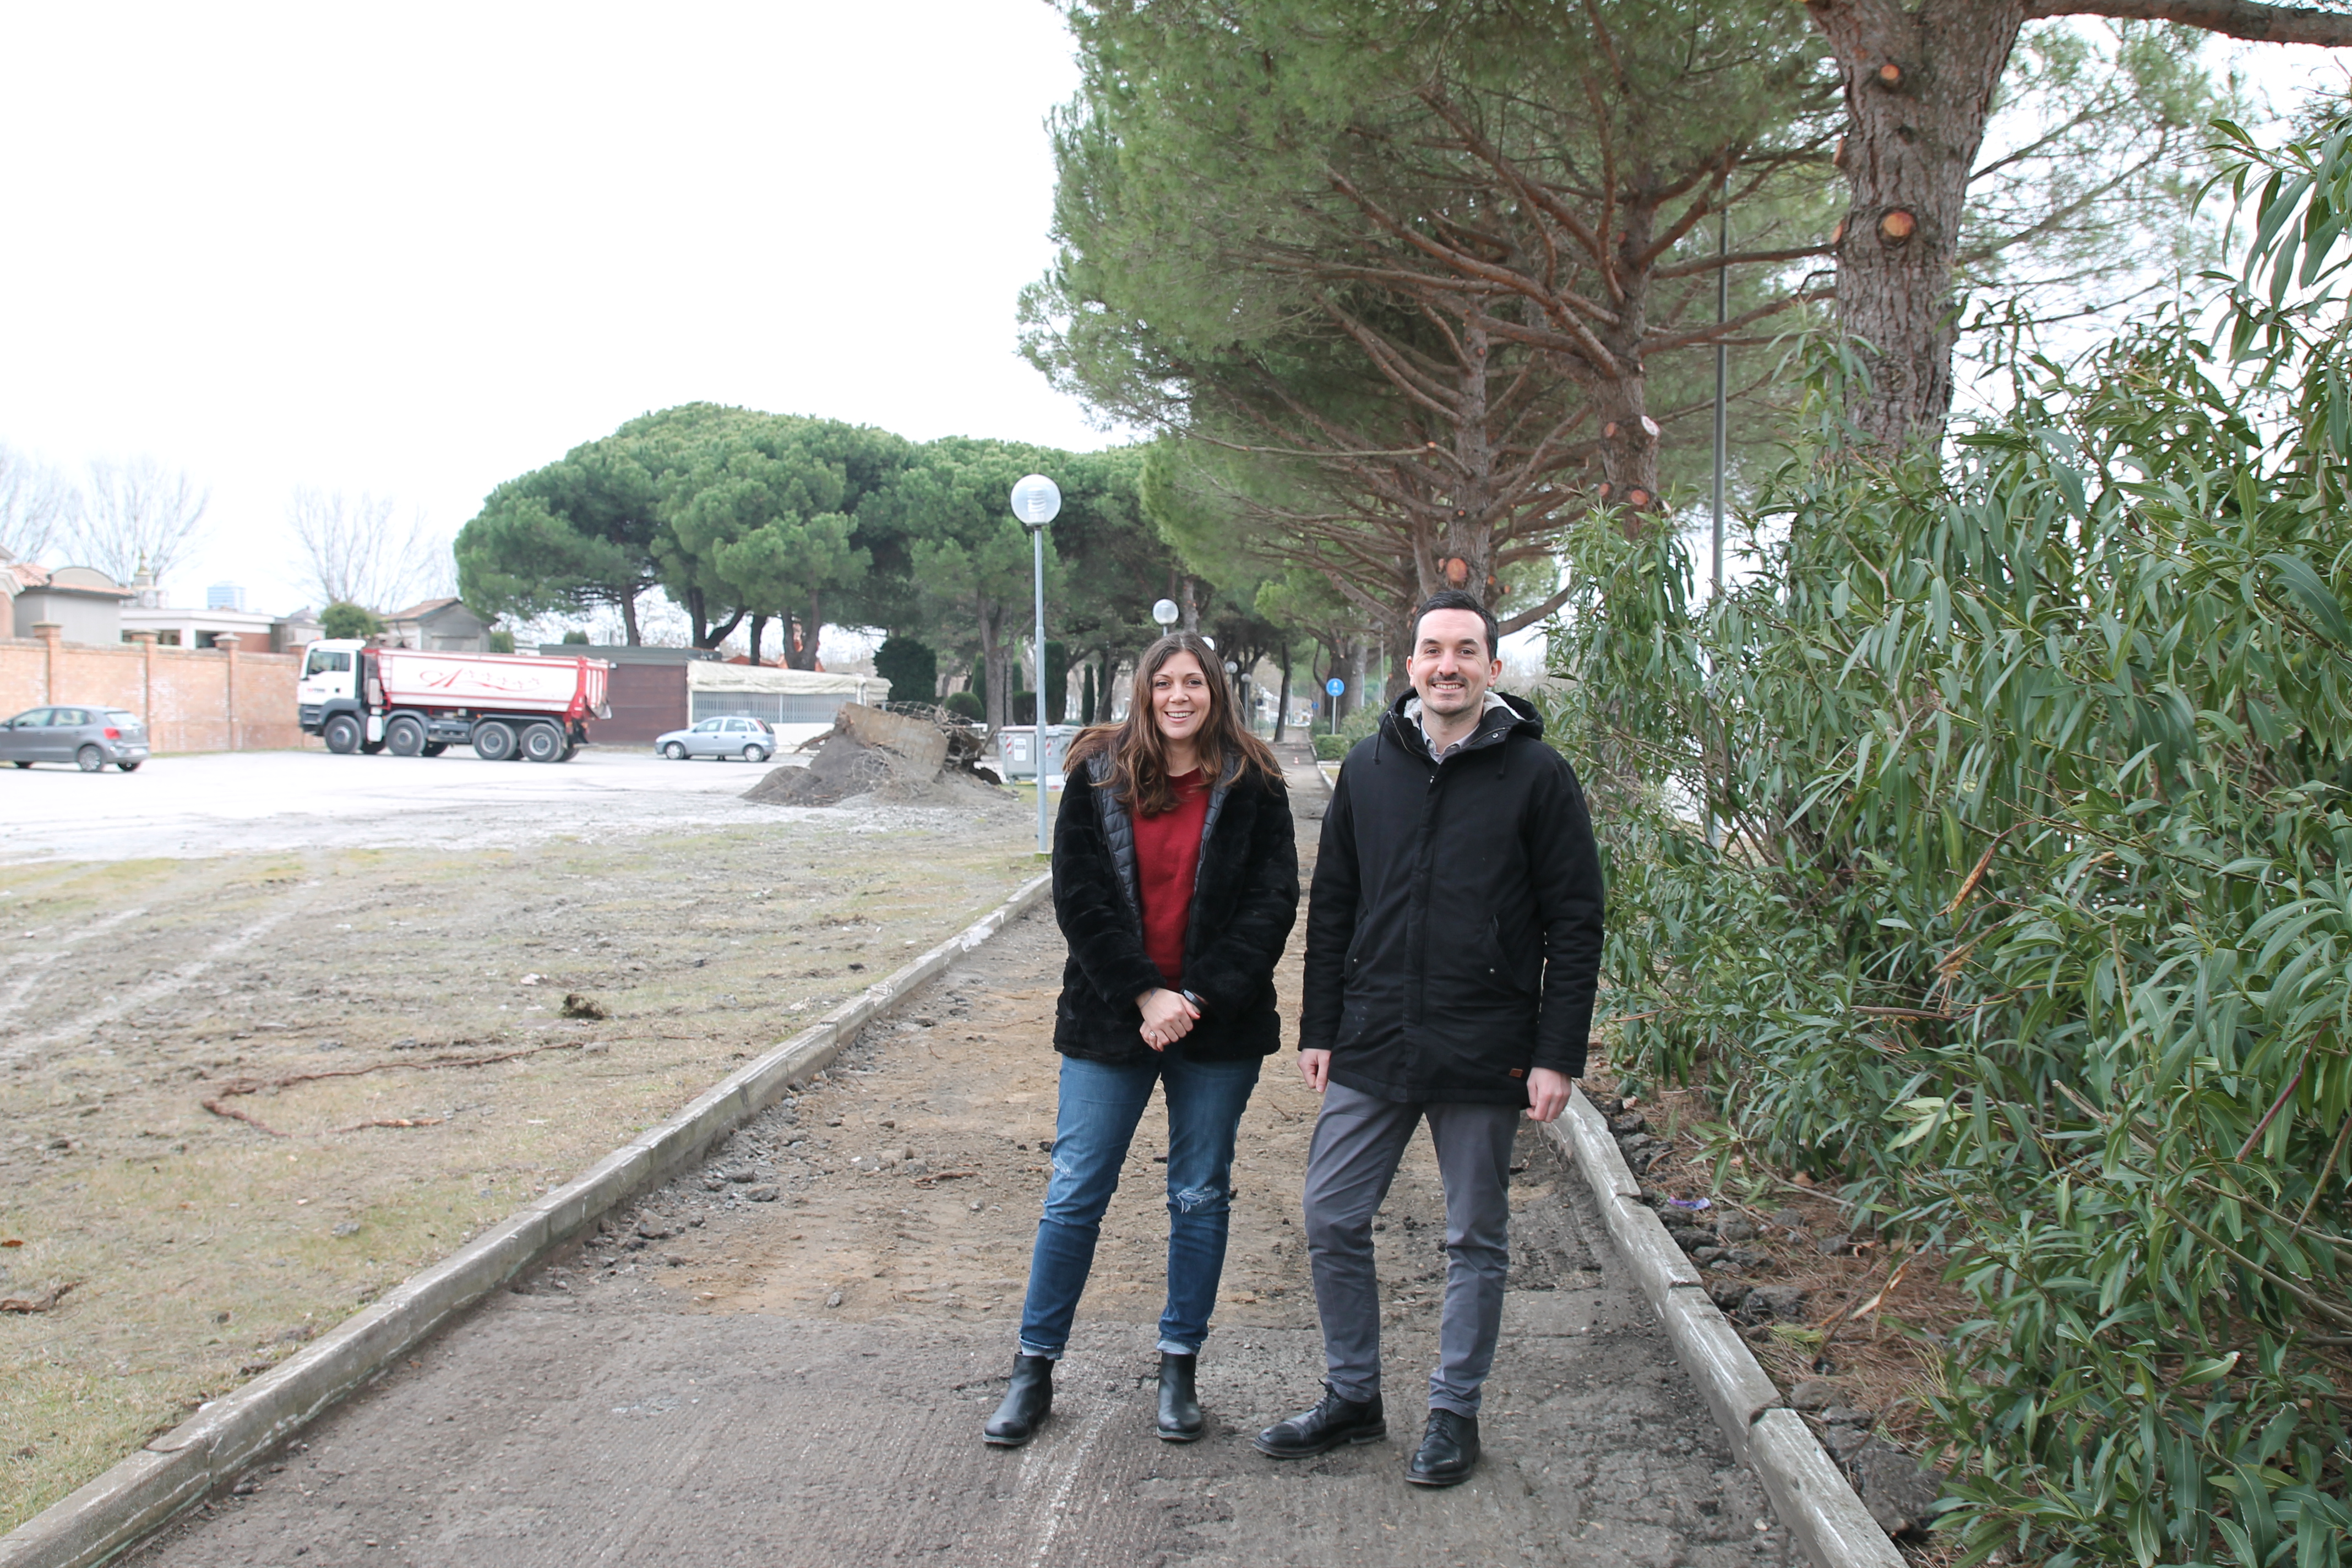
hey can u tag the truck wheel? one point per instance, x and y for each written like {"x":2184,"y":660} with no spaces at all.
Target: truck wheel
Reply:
{"x":90,"y":759}
{"x":543,"y":743}
{"x":343,"y":734}
{"x":404,"y":737}
{"x":494,"y":741}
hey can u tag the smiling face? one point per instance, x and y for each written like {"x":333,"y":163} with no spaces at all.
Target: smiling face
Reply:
{"x":1451,"y":666}
{"x":1180,"y":698}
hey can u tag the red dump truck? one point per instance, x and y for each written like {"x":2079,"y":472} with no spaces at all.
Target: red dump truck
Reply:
{"x":413,"y":704}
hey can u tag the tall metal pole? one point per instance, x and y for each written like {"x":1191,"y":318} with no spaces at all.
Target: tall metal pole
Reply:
{"x":1038,"y":554}
{"x":1722,"y":444}
{"x":1722,"y":375}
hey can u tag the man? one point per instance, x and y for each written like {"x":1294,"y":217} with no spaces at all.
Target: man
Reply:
{"x":1452,"y":945}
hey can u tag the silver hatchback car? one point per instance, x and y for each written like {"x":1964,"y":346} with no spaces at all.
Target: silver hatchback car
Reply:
{"x":734,"y":736}
{"x":90,"y":738}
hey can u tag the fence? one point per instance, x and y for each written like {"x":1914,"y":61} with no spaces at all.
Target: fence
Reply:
{"x":192,"y":700}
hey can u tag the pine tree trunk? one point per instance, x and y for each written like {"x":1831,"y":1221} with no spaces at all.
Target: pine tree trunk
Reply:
{"x":991,"y":662}
{"x":1919,"y":83}
{"x":629,"y":632}
{"x":760,"y":625}
{"x":1282,"y":704}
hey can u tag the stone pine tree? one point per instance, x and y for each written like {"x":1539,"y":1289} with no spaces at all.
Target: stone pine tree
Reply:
{"x":1920,"y":82}
{"x":969,"y":556}
{"x":1441,"y":278}
{"x":575,"y":535}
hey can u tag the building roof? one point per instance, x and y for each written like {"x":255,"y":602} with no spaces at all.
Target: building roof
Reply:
{"x":25,"y":578}
{"x":425,"y":609}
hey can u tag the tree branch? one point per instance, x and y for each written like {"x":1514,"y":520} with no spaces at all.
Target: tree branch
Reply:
{"x":1739,"y":258}
{"x":2232,"y":18}
{"x":1528,"y":618}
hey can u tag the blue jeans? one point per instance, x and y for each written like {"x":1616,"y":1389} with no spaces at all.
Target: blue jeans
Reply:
{"x":1092,"y":1125}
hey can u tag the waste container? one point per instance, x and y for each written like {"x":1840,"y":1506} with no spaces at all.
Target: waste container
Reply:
{"x":1016,"y":746}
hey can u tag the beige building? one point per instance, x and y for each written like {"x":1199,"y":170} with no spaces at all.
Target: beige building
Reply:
{"x":83,"y":600}
{"x":439,"y":625}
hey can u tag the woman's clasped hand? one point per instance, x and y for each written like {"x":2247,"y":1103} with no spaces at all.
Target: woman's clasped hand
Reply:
{"x":1167,"y":1017}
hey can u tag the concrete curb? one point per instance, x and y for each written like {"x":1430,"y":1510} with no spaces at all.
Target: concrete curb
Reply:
{"x":1809,"y":1492}
{"x":113,"y":1512}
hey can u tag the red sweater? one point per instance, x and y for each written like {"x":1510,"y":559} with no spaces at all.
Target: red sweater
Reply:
{"x":1167,"y":852}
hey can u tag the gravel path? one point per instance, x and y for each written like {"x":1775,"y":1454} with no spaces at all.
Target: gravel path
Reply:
{"x":786,"y":1358}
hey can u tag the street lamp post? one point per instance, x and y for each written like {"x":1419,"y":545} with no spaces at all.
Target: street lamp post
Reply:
{"x":1036,"y":501}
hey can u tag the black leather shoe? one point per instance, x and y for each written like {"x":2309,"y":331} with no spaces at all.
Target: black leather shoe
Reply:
{"x":1180,"y":1407}
{"x":1448,"y":1451}
{"x":1331,"y":1423}
{"x":1026,"y":1403}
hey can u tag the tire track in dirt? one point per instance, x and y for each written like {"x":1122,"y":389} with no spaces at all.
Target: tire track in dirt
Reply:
{"x":32,"y":968}
{"x":124,"y":1003}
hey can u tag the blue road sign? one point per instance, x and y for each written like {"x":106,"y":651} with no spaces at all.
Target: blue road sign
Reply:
{"x":1335,"y":686}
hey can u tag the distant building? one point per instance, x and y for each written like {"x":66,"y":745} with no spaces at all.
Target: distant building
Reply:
{"x":225,"y":596}
{"x":84,"y":601}
{"x":184,"y":627}
{"x":440,"y":625}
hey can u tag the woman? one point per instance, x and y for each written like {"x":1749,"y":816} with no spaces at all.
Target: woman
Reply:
{"x":1175,"y":883}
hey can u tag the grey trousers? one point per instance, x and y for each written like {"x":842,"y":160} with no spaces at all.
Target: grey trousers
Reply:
{"x":1358,"y":1140}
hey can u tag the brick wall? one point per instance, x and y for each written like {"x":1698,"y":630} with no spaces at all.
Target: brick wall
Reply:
{"x":193,"y":700}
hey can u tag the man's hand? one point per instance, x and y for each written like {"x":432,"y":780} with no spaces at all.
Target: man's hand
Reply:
{"x":1547,"y":1093}
{"x":1167,"y":1018}
{"x":1315,"y":1067}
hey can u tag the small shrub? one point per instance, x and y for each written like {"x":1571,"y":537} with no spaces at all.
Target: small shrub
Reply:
{"x":910,"y":667}
{"x":344,"y":620}
{"x":964,"y":705}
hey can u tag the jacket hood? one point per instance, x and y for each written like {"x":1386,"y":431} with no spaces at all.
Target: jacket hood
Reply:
{"x":1504,"y":716}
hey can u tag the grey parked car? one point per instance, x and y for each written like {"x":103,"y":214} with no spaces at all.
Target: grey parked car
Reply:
{"x":749,"y":738}
{"x":87,"y":737}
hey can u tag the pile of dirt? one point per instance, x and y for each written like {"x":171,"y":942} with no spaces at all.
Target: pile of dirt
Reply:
{"x":895,"y":757}
{"x":842,"y":767}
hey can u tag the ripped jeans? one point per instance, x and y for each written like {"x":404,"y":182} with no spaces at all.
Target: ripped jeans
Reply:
{"x":1099,"y":1108}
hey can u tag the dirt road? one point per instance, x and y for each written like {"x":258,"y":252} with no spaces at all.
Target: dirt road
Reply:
{"x":786,"y":1357}
{"x":243,"y":1092}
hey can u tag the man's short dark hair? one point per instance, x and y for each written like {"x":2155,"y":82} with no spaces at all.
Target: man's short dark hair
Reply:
{"x":1459,"y":599}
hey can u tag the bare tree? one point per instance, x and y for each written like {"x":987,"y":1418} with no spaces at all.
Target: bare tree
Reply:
{"x":37,"y":505}
{"x":355,"y":550}
{"x":137,"y":513}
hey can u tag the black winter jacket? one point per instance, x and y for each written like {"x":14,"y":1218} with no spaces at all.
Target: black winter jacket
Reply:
{"x":1453,"y":936}
{"x":1244,"y":901}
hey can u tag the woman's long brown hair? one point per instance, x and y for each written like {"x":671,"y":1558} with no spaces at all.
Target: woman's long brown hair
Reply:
{"x":1139,"y":753}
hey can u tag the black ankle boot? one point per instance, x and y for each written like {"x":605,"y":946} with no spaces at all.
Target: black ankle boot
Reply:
{"x":1333,"y":1423}
{"x":1448,"y":1452}
{"x":1180,"y":1407}
{"x":1026,"y":1403}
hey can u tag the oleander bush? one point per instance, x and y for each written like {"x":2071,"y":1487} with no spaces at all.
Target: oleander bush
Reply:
{"x":2029,"y":922}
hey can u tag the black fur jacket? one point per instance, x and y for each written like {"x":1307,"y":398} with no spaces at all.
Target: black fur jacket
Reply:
{"x":1244,"y":901}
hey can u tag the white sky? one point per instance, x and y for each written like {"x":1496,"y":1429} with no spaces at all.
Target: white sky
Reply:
{"x":421,"y":249}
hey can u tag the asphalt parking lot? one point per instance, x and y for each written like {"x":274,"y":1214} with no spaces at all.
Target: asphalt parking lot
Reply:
{"x":225,"y":803}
